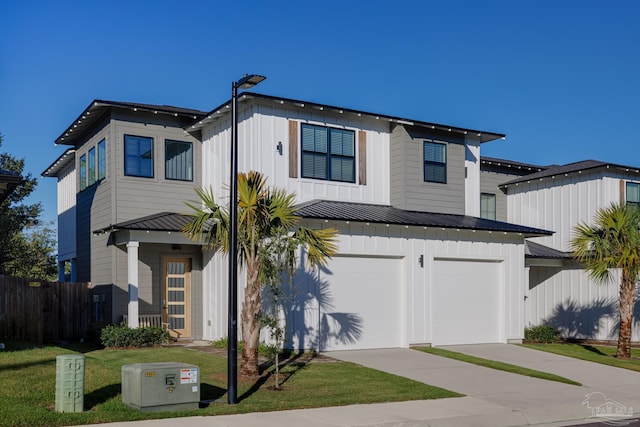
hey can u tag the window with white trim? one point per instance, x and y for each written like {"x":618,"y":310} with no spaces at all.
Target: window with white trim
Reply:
{"x":328,"y":153}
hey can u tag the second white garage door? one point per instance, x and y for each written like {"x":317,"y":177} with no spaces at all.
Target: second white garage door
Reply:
{"x":466,"y":307}
{"x":364,"y":304}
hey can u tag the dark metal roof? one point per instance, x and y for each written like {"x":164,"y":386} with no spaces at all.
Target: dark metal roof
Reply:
{"x":54,"y":168}
{"x":519,"y":167}
{"x":344,"y":211}
{"x":163,"y":221}
{"x":576,"y":167}
{"x":382,"y":214}
{"x":536,"y":250}
{"x":98,"y":107}
{"x":224,"y":108}
{"x":8,"y":182}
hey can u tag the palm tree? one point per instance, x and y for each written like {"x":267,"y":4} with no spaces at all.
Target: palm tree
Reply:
{"x":265,"y":215}
{"x":613,"y":243}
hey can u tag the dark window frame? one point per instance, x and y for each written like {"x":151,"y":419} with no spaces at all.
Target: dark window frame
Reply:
{"x":136,"y":158}
{"x":626,"y":194}
{"x":101,"y":160}
{"x":82,"y":171}
{"x":430,"y":165}
{"x":328,"y":155}
{"x":191,"y":149}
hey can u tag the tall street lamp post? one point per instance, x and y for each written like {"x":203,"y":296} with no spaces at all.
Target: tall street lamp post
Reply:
{"x":245,"y":82}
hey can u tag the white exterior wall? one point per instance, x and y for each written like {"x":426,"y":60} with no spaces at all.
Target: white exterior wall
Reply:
{"x":560,"y":203}
{"x":406,"y":245}
{"x":574,"y":304}
{"x":67,"y":212}
{"x":472,"y":177}
{"x":260,"y":129}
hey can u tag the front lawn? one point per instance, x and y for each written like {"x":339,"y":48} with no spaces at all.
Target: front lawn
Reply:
{"x":500,"y":366}
{"x":28,"y":376}
{"x":593,"y":353}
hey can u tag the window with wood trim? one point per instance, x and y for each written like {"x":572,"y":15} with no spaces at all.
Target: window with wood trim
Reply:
{"x":435,"y":162}
{"x":328,"y":153}
{"x":633,"y":194}
{"x":488,"y":206}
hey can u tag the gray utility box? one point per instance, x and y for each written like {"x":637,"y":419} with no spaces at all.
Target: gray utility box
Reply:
{"x":69,"y":383}
{"x":153,"y":387}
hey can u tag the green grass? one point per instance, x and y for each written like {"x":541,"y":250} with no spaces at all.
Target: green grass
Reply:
{"x":493,"y":364}
{"x":27,"y":395}
{"x":592,"y":353}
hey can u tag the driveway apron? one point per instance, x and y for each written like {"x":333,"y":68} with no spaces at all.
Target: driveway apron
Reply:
{"x":538,"y":401}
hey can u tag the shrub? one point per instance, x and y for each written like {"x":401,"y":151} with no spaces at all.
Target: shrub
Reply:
{"x":541,"y":334}
{"x":121,"y":336}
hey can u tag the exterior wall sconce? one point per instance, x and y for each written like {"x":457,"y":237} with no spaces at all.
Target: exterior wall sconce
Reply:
{"x":421,"y":261}
{"x":279,"y":147}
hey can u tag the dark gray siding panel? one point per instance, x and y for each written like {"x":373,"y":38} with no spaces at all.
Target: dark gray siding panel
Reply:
{"x":408,"y":189}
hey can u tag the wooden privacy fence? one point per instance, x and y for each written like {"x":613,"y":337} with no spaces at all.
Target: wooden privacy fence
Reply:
{"x":38,"y":311}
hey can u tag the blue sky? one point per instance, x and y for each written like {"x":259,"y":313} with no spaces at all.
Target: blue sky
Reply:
{"x":560,"y":78}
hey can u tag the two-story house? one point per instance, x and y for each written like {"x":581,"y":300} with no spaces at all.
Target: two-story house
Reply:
{"x":128,"y":161}
{"x":560,"y":293}
{"x":421,"y":256}
{"x":416,"y":263}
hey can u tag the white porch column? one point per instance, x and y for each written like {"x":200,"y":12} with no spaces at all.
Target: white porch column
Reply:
{"x":132,"y":275}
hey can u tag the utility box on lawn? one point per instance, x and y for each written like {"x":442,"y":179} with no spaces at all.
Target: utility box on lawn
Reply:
{"x":153,"y":387}
{"x":70,"y":383}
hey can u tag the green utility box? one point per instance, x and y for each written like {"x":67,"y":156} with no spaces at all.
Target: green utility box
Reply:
{"x":70,"y":383}
{"x":153,"y":387}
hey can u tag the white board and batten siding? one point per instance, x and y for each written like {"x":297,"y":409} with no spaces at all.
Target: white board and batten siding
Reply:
{"x":67,"y":212}
{"x":559,"y":204}
{"x":375,"y":293}
{"x":262,"y":127}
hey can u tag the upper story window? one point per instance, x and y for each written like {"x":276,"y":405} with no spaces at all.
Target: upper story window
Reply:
{"x":178,"y":161}
{"x":102,"y":160}
{"x":82,"y":175}
{"x":92,"y":165}
{"x":488,"y":206}
{"x":138,"y":156}
{"x":435,"y":162}
{"x":328,"y":153}
{"x":633,"y":194}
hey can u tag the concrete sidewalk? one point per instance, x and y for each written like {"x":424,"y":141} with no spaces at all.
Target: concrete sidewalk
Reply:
{"x":494,"y":398}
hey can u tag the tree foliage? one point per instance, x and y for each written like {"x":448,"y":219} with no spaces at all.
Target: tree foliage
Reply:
{"x":613,"y":242}
{"x":27,"y":247}
{"x":266,"y":219}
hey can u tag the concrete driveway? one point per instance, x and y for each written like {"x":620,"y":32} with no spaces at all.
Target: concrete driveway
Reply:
{"x":536,"y":401}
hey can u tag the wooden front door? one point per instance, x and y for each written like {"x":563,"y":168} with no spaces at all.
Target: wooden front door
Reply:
{"x":177,"y":296}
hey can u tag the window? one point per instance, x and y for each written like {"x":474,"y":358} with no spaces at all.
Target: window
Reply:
{"x":633,"y":194}
{"x":102,"y":160}
{"x":138,"y":156}
{"x":435,"y":162}
{"x":328,"y":153}
{"x":92,"y":165}
{"x":83,"y":172}
{"x":488,"y":206}
{"x":178,"y":160}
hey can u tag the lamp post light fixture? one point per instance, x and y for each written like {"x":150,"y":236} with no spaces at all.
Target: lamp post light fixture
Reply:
{"x":245,"y":82}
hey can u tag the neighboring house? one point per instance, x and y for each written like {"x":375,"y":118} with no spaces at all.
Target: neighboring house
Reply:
{"x":558,"y":198}
{"x":8,"y":182}
{"x":128,"y":161}
{"x":416,"y":264}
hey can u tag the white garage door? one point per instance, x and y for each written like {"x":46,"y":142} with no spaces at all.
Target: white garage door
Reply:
{"x":363,"y":304}
{"x":466,"y":303}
